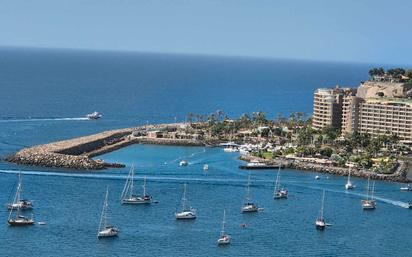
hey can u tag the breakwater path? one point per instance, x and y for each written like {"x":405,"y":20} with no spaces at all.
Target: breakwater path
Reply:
{"x":77,"y":153}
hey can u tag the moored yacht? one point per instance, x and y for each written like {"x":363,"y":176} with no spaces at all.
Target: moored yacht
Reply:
{"x":186,"y":212}
{"x":224,"y":238}
{"x":369,"y":203}
{"x":128,"y":196}
{"x":106,"y":230}
{"x":249,"y":205}
{"x":320,"y":221}
{"x":18,"y":220}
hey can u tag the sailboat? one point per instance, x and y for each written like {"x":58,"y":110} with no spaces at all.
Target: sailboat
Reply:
{"x":205,"y":167}
{"x":106,"y":230}
{"x":18,"y":220}
{"x":21,"y":204}
{"x":369,"y":204}
{"x":249,"y":206}
{"x":279,"y":193}
{"x":186,"y":212}
{"x":128,"y":196}
{"x":224,"y":238}
{"x":349,"y":184}
{"x":320,"y":221}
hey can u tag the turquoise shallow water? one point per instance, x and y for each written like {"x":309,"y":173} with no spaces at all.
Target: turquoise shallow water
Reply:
{"x":45,"y":94}
{"x":71,"y":204}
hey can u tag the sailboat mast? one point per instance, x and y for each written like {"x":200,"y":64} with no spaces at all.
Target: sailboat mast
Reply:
{"x":373,"y":189}
{"x":223,"y":223}
{"x":323,"y":203}
{"x":184,"y":198}
{"x":277,"y":181}
{"x":248,"y":189}
{"x":144,"y":187}
{"x":349,"y":177}
{"x":105,"y":207}
{"x":132,"y":182}
{"x":367,"y":190}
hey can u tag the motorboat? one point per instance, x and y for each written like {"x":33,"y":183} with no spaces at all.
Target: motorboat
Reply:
{"x":128,"y":195}
{"x":205,"y":167}
{"x":106,"y":230}
{"x":94,"y":116}
{"x":320,"y":223}
{"x":183,"y":163}
{"x":186,"y":211}
{"x":231,"y":149}
{"x":317,"y":177}
{"x":406,"y":188}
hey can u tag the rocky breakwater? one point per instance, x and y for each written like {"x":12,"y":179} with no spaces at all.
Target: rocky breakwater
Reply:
{"x":398,"y":174}
{"x":75,"y":153}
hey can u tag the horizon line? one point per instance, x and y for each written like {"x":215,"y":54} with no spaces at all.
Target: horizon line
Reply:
{"x":263,"y":58}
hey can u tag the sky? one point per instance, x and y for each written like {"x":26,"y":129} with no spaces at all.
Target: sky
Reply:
{"x":371,"y":31}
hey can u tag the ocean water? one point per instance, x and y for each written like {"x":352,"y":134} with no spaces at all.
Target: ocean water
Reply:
{"x":46,"y":93}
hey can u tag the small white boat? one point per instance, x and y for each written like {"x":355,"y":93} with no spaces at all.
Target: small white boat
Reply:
{"x":93,"y":116}
{"x":186,"y":212}
{"x":406,"y":188}
{"x":278,"y":192}
{"x":205,"y":167}
{"x":231,"y":149}
{"x":106,"y":230}
{"x":369,"y":203}
{"x":224,"y":238}
{"x":183,"y":163}
{"x":320,"y":221}
{"x":349,"y":184}
{"x":128,"y":196}
{"x":249,"y":206}
{"x":317,"y":177}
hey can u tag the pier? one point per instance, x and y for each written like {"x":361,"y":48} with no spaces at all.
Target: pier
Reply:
{"x":77,"y":153}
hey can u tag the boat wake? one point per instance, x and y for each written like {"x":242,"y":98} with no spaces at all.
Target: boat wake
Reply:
{"x":43,"y":119}
{"x":216,"y":181}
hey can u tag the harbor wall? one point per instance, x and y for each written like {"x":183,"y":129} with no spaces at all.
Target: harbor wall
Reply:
{"x":399,"y":173}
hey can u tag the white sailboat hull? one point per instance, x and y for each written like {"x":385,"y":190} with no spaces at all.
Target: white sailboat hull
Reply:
{"x":249,"y":208}
{"x":185,"y":215}
{"x":137,"y":200}
{"x":108,"y":232}
{"x":224,"y":240}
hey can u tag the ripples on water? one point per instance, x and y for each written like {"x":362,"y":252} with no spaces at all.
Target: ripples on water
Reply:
{"x":70,"y":203}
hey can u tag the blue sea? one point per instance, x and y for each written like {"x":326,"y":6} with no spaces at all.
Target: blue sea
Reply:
{"x":45,"y":95}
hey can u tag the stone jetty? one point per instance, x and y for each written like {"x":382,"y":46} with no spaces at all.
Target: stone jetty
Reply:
{"x":399,"y":174}
{"x":77,"y":153}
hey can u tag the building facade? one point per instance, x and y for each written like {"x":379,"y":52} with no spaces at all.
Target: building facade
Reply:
{"x":355,"y":111}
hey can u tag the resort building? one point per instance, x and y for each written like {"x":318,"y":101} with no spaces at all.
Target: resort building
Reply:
{"x":374,"y":107}
{"x":386,"y":116}
{"x":327,"y":107}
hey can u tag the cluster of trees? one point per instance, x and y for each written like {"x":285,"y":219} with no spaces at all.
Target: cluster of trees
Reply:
{"x":394,"y":72}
